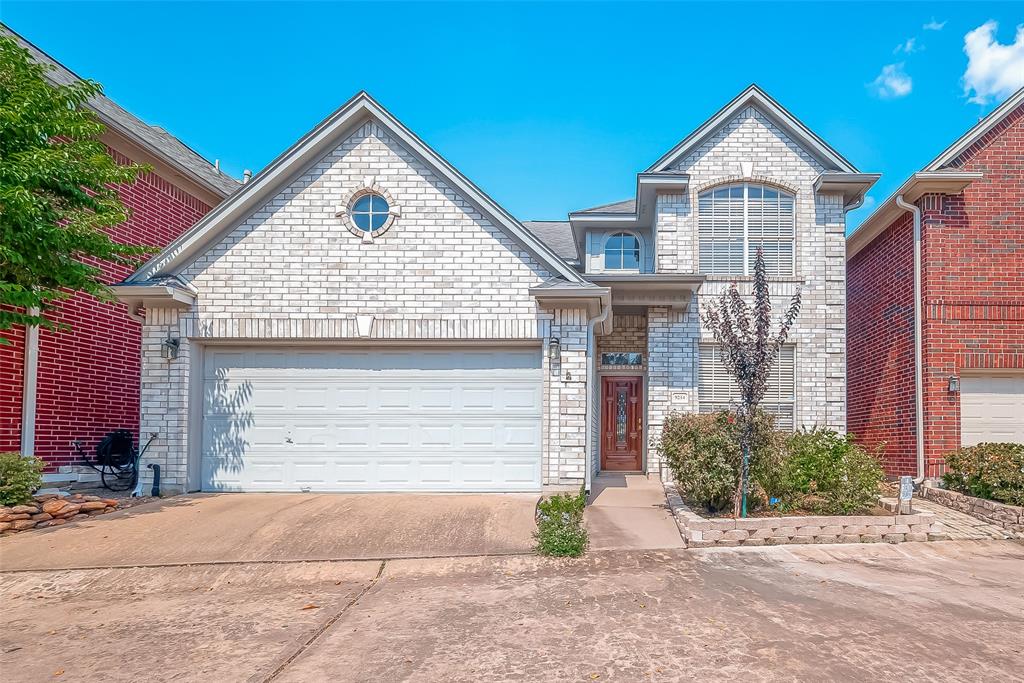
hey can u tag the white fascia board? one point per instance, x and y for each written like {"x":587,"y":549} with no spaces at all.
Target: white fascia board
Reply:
{"x":851,"y":185}
{"x":164,"y":296}
{"x":921,"y":183}
{"x":753,"y":95}
{"x":297,"y":158}
{"x":977,"y":132}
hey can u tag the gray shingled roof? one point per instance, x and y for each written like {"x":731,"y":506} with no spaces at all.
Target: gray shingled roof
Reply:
{"x":625,"y":206}
{"x":155,"y":140}
{"x":557,"y":235}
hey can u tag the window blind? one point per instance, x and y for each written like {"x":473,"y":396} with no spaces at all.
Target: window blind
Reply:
{"x":718,"y":391}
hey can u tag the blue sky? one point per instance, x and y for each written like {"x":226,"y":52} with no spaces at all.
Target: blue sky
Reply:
{"x":548,"y":107}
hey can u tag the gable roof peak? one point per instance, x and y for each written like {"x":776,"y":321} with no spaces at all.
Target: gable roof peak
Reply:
{"x":313,"y":145}
{"x":754,"y":95}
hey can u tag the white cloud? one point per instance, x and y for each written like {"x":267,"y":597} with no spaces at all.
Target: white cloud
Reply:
{"x":994,"y":70}
{"x":934,"y":25}
{"x":910,"y":46}
{"x":869,"y":203}
{"x":892,"y":82}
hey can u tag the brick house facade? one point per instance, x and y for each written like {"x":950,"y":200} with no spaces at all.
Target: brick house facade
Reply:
{"x":971,"y":200}
{"x":362,"y":317}
{"x":85,"y":382}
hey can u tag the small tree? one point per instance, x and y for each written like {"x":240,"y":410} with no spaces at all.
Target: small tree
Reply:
{"x":749,"y":348}
{"x":57,"y":193}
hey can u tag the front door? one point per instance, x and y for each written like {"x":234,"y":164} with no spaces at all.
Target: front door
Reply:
{"x":622,"y":424}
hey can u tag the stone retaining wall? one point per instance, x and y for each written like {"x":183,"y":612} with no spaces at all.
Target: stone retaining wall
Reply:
{"x":52,"y":510}
{"x":1009,"y":517}
{"x":702,"y":532}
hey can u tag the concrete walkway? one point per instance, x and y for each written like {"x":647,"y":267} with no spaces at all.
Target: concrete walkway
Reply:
{"x":960,"y":526}
{"x":629,"y":512}
{"x":282,"y":527}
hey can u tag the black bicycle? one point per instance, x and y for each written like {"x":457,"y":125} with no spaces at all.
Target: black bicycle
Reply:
{"x":117,"y":459}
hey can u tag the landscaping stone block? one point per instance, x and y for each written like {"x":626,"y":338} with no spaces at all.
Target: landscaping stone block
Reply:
{"x":826,"y":538}
{"x":832,"y":529}
{"x":807,"y":531}
{"x":735,"y":535}
{"x":894,"y":538}
{"x":870,"y":538}
{"x":799,"y":540}
{"x":849,"y":538}
{"x":752,"y":541}
{"x":916,"y":537}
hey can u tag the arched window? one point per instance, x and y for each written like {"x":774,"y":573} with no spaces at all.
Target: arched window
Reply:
{"x":735,"y":220}
{"x":622,"y":252}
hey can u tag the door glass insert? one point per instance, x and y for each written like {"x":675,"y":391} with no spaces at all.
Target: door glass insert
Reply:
{"x":620,"y":419}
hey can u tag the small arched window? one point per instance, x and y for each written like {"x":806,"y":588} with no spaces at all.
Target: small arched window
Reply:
{"x":622,"y":252}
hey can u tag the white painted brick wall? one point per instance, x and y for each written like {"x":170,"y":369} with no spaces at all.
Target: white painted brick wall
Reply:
{"x":292,"y":271}
{"x":820,"y":272}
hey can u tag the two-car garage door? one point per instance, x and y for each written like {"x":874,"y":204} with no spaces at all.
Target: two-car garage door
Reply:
{"x":386,"y":419}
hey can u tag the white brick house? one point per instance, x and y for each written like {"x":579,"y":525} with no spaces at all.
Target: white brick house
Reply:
{"x":361,"y":317}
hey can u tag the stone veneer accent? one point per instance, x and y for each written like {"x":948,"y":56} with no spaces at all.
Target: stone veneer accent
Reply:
{"x":1009,"y":517}
{"x":701,"y":532}
{"x":292,"y":272}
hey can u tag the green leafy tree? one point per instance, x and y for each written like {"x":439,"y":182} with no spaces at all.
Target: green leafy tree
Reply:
{"x":749,"y":347}
{"x":58,"y":195}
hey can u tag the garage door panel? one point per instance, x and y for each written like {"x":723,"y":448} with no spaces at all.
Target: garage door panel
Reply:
{"x":991,"y":408}
{"x":339,"y":420}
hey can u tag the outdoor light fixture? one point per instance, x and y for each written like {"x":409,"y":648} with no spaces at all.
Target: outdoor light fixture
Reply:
{"x":169,"y":348}
{"x":954,"y":384}
{"x":554,"y":351}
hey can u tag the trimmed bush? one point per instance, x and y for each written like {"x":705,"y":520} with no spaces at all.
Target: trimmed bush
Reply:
{"x":703,"y":453}
{"x":560,"y":531}
{"x":994,"y":471}
{"x":19,"y":478}
{"x":827,"y":473}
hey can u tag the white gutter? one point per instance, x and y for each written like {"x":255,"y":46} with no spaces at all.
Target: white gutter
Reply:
{"x":588,"y":450}
{"x":918,"y":369}
{"x":30,"y":369}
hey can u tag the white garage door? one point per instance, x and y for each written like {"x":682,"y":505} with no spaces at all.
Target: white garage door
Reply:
{"x":991,"y":409}
{"x":437,"y":419}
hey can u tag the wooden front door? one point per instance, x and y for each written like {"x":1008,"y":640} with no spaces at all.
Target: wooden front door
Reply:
{"x":622,"y":423}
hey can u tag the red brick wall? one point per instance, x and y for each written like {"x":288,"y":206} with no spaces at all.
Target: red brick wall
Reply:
{"x":973,"y":314}
{"x":12,"y":362}
{"x":973,"y":263}
{"x":88,"y":378}
{"x":880,"y":346}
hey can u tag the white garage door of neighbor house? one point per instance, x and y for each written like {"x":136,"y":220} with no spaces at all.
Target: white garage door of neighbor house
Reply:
{"x":991,"y":408}
{"x":388,"y":419}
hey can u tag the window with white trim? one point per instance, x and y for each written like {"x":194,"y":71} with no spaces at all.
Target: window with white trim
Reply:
{"x":718,"y":391}
{"x":734,"y":220}
{"x":622,"y":252}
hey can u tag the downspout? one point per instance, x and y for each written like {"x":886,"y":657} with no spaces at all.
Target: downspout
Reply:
{"x":30,"y":370}
{"x":606,"y":309}
{"x":918,"y":363}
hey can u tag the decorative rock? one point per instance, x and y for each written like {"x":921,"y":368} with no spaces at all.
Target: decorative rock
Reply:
{"x":96,"y":505}
{"x":14,"y":517}
{"x":42,"y":517}
{"x":111,"y":502}
{"x":23,"y":524}
{"x":91,"y":499}
{"x":70,"y":510}
{"x":21,"y":509}
{"x":4,"y":526}
{"x":54,"y":506}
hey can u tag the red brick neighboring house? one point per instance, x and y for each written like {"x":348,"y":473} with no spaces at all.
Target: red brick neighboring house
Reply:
{"x":971,"y":203}
{"x":61,"y":386}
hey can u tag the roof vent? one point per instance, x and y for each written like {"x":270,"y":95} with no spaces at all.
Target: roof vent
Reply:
{"x":246,"y":176}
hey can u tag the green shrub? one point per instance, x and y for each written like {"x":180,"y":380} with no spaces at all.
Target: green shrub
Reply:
{"x":703,"y":453}
{"x":560,"y":531}
{"x":826,"y":472}
{"x":19,"y":478}
{"x":989,"y":470}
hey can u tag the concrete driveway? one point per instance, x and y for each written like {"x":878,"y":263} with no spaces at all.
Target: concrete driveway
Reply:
{"x":253,"y":527}
{"x":918,"y":611}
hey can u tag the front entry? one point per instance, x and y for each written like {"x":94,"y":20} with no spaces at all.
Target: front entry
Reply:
{"x":622,"y":424}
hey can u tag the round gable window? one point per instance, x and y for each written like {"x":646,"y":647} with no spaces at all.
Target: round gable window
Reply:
{"x":370,"y":212}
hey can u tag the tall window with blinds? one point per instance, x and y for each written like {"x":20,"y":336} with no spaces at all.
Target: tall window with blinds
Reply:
{"x":718,"y":391}
{"x":734,"y":221}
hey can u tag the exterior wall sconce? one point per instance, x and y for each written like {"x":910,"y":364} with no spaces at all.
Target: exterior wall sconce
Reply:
{"x":954,"y":384}
{"x":554,"y":351}
{"x":169,"y":348}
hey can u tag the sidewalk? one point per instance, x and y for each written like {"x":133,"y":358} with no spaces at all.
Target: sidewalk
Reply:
{"x":628,"y":512}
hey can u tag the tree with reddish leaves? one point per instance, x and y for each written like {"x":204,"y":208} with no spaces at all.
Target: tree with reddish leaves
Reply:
{"x":748,"y":346}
